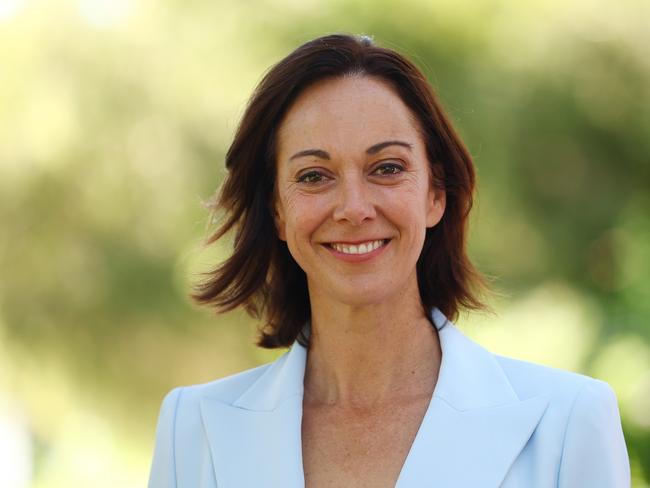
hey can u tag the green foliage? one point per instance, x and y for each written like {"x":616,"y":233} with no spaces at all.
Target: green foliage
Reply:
{"x":114,"y":119}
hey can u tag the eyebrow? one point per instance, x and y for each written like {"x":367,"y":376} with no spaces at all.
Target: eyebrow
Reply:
{"x":319,"y":153}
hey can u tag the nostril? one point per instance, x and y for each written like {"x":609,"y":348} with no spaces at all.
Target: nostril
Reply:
{"x":354,"y":209}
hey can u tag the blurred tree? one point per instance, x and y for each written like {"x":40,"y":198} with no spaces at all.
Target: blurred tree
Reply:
{"x":115,"y":117}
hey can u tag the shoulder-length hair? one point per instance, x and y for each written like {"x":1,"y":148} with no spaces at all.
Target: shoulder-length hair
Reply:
{"x":261,"y":274}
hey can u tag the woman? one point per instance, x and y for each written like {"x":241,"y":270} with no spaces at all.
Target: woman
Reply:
{"x":349,"y":192}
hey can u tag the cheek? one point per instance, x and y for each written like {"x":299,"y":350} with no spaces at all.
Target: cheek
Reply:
{"x":408,"y":206}
{"x":303,"y":215}
{"x":286,"y":212}
{"x":301,"y":231}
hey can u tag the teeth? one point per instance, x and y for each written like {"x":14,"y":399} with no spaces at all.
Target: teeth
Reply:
{"x":364,"y":248}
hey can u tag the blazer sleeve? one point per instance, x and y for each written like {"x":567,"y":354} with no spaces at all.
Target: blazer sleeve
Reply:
{"x":594,"y":452}
{"x":163,"y":465}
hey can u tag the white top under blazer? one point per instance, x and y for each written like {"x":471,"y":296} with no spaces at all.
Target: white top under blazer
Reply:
{"x":492,"y":422}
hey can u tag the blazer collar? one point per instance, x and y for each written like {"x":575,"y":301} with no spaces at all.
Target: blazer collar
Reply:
{"x":469,"y":376}
{"x":474,"y":427}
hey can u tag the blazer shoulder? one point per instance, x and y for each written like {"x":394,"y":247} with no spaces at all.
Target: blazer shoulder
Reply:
{"x":181,"y":450}
{"x":226,"y":389}
{"x":581,"y":426}
{"x":532,"y":379}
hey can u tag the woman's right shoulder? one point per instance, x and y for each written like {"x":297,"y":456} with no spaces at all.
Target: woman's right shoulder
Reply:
{"x":181,"y":445}
{"x":226,"y":389}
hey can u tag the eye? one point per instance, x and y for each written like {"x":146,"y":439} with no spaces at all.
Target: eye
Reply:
{"x":311,"y":177}
{"x":388,"y":169}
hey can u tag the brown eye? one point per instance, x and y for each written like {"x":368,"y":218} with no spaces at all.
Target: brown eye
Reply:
{"x":388,"y":169}
{"x":310,"y":177}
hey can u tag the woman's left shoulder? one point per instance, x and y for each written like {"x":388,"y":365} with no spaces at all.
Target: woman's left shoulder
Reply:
{"x":581,"y":419}
{"x":530,"y":379}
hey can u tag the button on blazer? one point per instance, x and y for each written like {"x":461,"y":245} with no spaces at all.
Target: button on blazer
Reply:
{"x":492,"y":422}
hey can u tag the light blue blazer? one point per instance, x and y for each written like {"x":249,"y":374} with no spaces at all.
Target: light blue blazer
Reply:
{"x":492,"y":422}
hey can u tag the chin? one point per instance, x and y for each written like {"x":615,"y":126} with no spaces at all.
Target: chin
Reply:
{"x":357,"y":295}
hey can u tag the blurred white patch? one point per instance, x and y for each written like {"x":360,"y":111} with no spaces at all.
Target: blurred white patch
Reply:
{"x":9,"y":8}
{"x":15,"y":448}
{"x":105,"y":13}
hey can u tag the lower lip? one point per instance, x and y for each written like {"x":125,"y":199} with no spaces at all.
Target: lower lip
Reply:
{"x":357,"y":258}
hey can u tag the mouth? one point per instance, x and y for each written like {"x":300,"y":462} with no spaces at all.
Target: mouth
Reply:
{"x":358,"y":248}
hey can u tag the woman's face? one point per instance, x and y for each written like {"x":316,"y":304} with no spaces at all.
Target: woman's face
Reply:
{"x":354,"y":194}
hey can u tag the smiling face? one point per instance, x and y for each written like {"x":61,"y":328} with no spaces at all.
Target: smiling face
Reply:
{"x":353,"y":191}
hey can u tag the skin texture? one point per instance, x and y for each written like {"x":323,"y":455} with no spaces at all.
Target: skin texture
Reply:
{"x":374,"y":357}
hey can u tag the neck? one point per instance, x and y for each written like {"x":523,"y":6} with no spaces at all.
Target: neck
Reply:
{"x":371,"y":355}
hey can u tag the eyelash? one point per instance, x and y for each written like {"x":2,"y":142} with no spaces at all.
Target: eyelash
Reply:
{"x":309,"y":174}
{"x":304,"y":178}
{"x":396,"y":166}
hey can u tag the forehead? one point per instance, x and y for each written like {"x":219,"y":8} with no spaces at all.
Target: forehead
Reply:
{"x":354,"y":112}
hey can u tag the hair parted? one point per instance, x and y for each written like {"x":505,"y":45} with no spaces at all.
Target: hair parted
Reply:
{"x":261,"y":274}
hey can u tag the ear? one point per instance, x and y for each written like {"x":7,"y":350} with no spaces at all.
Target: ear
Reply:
{"x":436,"y":201}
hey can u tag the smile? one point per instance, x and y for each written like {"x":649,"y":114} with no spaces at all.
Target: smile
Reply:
{"x":362,"y":248}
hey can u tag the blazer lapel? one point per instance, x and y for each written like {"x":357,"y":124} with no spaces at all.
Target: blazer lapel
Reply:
{"x":473,"y":430}
{"x":256,"y":441}
{"x":475,"y":425}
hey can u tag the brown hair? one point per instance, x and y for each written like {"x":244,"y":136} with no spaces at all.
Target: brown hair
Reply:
{"x":261,"y":273}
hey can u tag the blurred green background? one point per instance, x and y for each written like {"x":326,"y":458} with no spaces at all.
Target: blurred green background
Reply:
{"x":115,"y":116}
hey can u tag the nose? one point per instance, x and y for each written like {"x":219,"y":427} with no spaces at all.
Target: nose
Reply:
{"x":354,"y":204}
